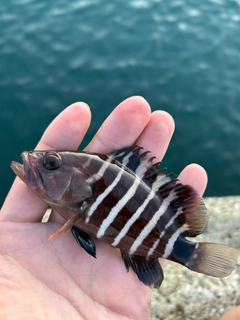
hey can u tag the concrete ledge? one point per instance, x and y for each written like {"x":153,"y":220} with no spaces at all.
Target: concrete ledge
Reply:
{"x":186,"y":295}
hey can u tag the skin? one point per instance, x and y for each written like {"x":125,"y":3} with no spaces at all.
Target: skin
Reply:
{"x":42,"y":279}
{"x":233,"y":314}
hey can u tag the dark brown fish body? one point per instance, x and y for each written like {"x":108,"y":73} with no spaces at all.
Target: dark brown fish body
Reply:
{"x":126,"y":201}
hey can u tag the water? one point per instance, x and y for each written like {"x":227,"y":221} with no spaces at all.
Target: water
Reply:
{"x":182,"y":56}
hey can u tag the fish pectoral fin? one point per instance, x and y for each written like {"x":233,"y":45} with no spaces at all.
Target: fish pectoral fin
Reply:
{"x":148,"y":271}
{"x":84,"y":240}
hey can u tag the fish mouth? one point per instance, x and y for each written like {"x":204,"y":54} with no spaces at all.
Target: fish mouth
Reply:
{"x":26,"y":171}
{"x":18,"y":168}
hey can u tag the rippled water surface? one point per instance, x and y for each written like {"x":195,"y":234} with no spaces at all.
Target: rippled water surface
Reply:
{"x":182,"y":56}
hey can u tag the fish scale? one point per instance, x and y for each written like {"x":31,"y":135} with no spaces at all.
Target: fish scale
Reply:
{"x":125,"y":200}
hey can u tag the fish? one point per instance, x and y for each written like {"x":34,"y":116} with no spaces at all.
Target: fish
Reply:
{"x":128,"y":201}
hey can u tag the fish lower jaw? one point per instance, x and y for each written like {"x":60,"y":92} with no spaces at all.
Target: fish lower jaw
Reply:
{"x":18,"y":169}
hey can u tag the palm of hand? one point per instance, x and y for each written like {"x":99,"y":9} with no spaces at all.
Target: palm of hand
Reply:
{"x":57,"y":279}
{"x":63,"y":278}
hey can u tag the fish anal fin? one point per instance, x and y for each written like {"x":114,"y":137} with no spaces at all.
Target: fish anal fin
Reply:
{"x":84,"y":240}
{"x":148,"y":271}
{"x":213,"y":259}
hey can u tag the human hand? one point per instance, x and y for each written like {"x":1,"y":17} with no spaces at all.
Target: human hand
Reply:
{"x":42,"y":279}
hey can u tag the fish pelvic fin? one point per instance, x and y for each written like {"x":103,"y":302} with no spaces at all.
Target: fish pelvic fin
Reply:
{"x":148,"y":271}
{"x":213,"y":259}
{"x":84,"y":241}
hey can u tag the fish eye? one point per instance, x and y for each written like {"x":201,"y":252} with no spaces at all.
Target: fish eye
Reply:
{"x":51,"y":160}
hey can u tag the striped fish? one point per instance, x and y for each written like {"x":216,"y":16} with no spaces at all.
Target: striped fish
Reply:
{"x":125,"y":200}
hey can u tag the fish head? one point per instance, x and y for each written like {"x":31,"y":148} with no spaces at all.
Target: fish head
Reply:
{"x":58,"y":177}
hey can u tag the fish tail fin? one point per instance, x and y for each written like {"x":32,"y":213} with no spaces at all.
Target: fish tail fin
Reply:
{"x":213,"y":259}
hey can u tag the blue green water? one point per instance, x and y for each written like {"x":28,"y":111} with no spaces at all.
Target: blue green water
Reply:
{"x":182,"y":56}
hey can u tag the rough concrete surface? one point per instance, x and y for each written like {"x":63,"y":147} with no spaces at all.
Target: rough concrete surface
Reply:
{"x":187,"y":295}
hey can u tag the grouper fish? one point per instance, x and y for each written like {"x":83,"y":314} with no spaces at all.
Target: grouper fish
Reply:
{"x":126,"y":200}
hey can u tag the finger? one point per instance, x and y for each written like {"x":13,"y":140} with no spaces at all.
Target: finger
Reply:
{"x":68,"y":129}
{"x":65,"y":132}
{"x":122,"y":127}
{"x":156,"y":137}
{"x":195,"y":176}
{"x":233,"y":314}
{"x":157,"y":134}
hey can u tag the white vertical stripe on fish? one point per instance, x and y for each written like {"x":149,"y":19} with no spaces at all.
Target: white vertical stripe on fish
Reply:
{"x":170,"y":222}
{"x":133,"y":218}
{"x":151,"y":250}
{"x":169,"y":247}
{"x":195,"y":254}
{"x":160,"y":181}
{"x":142,"y":168}
{"x":103,"y":195}
{"x":115,"y":210}
{"x":152,"y":223}
{"x":86,"y":164}
{"x":126,"y":159}
{"x":155,"y":186}
{"x":100,"y":172}
{"x":98,"y":175}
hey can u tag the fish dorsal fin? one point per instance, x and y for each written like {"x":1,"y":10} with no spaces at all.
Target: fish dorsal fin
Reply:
{"x":188,"y":206}
{"x":139,"y":164}
{"x":132,"y":160}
